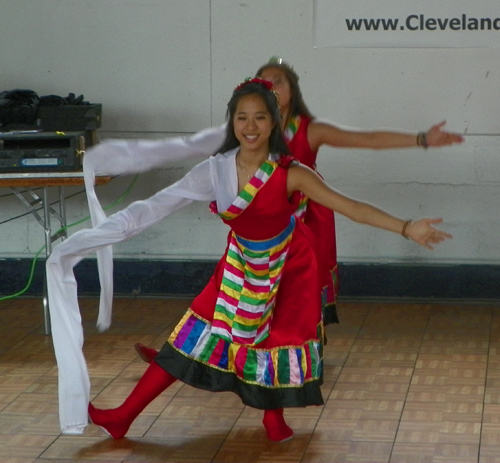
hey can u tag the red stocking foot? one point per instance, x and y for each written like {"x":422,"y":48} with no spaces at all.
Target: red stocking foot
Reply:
{"x":146,"y":353}
{"x":111,"y":421}
{"x":276,"y":427}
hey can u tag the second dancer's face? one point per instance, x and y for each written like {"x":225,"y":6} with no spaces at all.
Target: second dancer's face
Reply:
{"x":253,"y":123}
{"x":280,"y":84}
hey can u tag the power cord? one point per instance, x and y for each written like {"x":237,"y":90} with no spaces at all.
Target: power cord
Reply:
{"x":62,"y":229}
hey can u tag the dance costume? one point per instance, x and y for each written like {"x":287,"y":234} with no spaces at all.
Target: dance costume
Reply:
{"x":287,"y":362}
{"x":256,"y":328}
{"x":319,"y":219}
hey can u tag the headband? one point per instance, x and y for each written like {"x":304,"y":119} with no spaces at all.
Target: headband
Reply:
{"x":256,"y":80}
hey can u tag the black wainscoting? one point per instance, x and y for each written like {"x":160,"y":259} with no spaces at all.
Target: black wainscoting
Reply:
{"x":364,"y":281}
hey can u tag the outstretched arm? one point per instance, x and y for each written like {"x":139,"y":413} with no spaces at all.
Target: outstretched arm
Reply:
{"x":421,"y":231}
{"x":326,"y":133}
{"x":131,"y":156}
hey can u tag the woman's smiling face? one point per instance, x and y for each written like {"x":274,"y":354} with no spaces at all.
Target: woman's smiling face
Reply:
{"x":252,"y":123}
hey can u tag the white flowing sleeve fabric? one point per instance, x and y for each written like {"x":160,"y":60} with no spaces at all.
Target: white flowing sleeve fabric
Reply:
{"x":200,"y":184}
{"x":118,"y":157}
{"x":123,"y":157}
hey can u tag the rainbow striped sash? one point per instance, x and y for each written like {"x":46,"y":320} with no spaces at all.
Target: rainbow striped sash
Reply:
{"x":289,"y":132}
{"x":250,"y":190}
{"x":251,"y":275}
{"x":291,"y":128}
{"x":300,"y":213}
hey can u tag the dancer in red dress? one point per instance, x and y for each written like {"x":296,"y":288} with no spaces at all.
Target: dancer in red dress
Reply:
{"x":304,"y":135}
{"x":256,"y":329}
{"x":319,"y":219}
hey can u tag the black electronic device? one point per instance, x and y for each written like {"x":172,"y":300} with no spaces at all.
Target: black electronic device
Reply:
{"x":69,"y":117}
{"x":33,"y":151}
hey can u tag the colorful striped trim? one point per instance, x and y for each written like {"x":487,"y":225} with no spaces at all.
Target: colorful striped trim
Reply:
{"x":287,"y":366}
{"x":329,"y":291}
{"x":252,"y":273}
{"x":250,"y":282}
{"x":289,"y":133}
{"x":291,"y":128}
{"x":250,"y":190}
{"x":300,"y":213}
{"x":263,"y":245}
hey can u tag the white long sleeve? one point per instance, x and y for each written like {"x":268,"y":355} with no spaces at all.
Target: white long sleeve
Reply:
{"x":121,"y":157}
{"x":202,"y":183}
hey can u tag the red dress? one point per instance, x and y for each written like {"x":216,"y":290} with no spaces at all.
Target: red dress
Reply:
{"x":256,"y":328}
{"x":319,"y":219}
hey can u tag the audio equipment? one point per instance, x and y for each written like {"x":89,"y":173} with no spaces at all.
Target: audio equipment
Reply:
{"x":34,"y":151}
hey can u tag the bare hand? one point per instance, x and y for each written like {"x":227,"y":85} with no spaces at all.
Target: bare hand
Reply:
{"x":422,"y":232}
{"x":438,"y":137}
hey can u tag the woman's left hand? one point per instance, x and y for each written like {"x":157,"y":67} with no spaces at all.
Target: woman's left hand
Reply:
{"x":422,"y":232}
{"x":436,"y":136}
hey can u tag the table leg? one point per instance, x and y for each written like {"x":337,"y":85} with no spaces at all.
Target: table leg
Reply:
{"x":48,"y":251}
{"x":50,"y":237}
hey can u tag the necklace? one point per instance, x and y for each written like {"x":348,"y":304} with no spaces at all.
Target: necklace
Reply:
{"x":243,"y":171}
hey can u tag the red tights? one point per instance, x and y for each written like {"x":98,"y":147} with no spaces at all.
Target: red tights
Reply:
{"x":116,"y":421}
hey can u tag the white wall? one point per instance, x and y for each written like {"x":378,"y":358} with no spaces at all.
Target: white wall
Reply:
{"x":165,"y":67}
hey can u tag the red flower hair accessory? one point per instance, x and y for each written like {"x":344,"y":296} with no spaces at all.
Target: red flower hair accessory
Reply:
{"x":256,"y":80}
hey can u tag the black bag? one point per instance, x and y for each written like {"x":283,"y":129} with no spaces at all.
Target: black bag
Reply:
{"x":18,"y":107}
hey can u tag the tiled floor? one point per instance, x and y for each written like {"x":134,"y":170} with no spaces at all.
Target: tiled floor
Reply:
{"x":403,"y":383}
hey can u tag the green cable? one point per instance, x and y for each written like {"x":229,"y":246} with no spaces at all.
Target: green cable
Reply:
{"x":62,"y":229}
{"x":30,"y":279}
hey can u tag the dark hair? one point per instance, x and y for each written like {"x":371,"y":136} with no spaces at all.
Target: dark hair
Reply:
{"x":297,"y":104}
{"x":277,"y":143}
